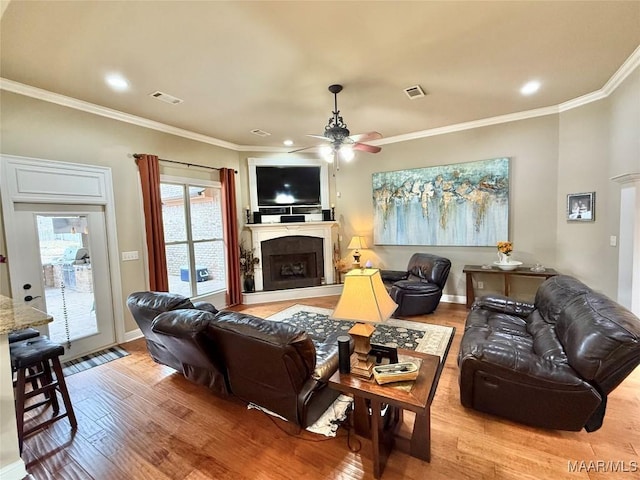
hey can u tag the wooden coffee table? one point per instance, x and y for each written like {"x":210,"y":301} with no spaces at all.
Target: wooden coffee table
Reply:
{"x":369,"y":397}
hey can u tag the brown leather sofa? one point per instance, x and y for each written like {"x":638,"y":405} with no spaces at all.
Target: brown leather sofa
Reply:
{"x":418,"y":289}
{"x":271,"y":364}
{"x":549,"y":364}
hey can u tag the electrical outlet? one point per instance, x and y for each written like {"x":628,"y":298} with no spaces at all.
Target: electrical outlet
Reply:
{"x":128,"y":256}
{"x":613,"y":240}
{"x":480,"y":285}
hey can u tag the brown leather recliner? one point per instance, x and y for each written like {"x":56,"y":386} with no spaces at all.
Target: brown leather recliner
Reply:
{"x":276,"y":365}
{"x":549,"y":364}
{"x":271,"y":364}
{"x":417,"y":290}
{"x":174,"y":351}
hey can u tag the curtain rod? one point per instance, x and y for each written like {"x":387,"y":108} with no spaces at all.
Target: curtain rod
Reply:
{"x":137,"y":155}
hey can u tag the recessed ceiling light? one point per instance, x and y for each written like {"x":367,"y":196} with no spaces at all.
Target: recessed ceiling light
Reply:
{"x":117,"y":82}
{"x":288,"y":143}
{"x":530,"y":88}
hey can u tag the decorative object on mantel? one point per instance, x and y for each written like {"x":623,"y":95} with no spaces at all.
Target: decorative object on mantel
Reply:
{"x":341,"y":265}
{"x":356,"y":244}
{"x":581,"y":207}
{"x":247,"y":265}
{"x":465,"y":204}
{"x":504,"y":255}
{"x":248,"y":213}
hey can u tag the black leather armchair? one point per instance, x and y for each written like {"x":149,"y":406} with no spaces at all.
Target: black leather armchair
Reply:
{"x":418,"y":289}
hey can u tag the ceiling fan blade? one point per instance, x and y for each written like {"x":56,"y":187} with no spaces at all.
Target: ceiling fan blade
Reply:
{"x":303,"y":148}
{"x":321,"y":137}
{"x":365,"y":137}
{"x":366,"y":148}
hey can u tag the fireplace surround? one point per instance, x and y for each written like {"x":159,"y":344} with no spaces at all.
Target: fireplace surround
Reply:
{"x":301,"y":258}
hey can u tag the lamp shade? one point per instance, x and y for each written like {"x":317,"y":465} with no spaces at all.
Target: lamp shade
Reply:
{"x":364,"y":297}
{"x":357,"y":243}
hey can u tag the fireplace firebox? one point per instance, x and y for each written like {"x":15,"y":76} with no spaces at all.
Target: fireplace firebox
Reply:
{"x":294,"y":261}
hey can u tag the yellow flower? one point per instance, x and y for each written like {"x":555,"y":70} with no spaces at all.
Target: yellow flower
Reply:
{"x":505,"y":247}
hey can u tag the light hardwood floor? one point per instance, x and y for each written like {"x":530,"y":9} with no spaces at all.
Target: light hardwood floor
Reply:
{"x":141,"y":420}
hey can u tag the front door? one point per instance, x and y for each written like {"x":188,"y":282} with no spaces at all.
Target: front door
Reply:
{"x":64,"y":270}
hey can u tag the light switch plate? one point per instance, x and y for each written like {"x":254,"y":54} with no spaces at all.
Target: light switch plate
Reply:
{"x":128,"y":256}
{"x":613,"y":240}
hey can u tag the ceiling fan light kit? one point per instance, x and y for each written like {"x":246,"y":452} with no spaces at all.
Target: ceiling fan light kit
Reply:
{"x":342,"y":144}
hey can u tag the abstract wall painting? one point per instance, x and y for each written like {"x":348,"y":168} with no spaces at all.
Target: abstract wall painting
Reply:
{"x":464,"y":204}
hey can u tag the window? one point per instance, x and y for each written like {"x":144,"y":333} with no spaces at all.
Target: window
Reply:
{"x":192,"y":220}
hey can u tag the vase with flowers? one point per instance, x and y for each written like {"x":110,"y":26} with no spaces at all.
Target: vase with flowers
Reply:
{"x":504,"y":251}
{"x":248,"y":262}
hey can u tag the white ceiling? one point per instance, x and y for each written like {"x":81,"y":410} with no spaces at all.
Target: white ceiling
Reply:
{"x":266,"y":65}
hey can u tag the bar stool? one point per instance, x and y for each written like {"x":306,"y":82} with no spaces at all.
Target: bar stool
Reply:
{"x":32,"y":361}
{"x":19,"y":336}
{"x":24,"y":334}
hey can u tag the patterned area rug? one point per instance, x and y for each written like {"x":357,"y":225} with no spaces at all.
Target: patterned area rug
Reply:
{"x":421,"y":337}
{"x":93,"y":360}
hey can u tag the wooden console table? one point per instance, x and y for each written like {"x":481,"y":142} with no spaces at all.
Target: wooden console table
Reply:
{"x":524,"y":271}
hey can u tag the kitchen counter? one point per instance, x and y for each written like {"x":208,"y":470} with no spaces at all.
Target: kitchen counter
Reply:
{"x":15,"y":315}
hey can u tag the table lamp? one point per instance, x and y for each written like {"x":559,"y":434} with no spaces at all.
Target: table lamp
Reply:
{"x":364,"y":299}
{"x":357,"y":243}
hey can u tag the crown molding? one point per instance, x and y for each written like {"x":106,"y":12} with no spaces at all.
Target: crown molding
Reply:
{"x":485,"y":122}
{"x":630,"y":64}
{"x":626,"y":178}
{"x":47,"y":96}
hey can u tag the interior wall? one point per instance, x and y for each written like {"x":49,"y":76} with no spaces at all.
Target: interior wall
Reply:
{"x":583,"y":247}
{"x":597,"y":141}
{"x":34,"y":128}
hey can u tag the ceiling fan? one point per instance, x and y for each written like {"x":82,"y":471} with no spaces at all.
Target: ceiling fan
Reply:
{"x":340,"y":143}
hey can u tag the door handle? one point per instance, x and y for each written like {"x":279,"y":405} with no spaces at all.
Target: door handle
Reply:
{"x":28,"y":298}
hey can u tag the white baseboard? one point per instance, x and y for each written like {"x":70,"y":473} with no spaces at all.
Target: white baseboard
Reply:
{"x":132,"y":335}
{"x":14,"y":471}
{"x":291,"y":294}
{"x":454,"y":299}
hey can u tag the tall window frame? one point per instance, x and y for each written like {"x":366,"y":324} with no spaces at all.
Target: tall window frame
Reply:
{"x":189,"y":273}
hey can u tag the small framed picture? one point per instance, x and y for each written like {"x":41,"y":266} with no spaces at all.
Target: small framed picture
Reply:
{"x":581,"y":207}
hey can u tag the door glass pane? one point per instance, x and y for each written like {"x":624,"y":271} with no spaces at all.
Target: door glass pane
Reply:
{"x":173,"y":214}
{"x":210,"y":266}
{"x":178,"y":269}
{"x":206,"y":214}
{"x":67,"y":276}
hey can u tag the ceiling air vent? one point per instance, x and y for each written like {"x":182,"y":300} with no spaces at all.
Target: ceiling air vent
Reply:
{"x":260,"y":133}
{"x":166,"y":98}
{"x":414,"y":92}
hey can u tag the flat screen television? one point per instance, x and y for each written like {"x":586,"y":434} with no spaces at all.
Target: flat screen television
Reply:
{"x":286,"y":185}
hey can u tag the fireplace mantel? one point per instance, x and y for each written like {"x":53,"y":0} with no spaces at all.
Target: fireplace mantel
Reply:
{"x":268,"y":231}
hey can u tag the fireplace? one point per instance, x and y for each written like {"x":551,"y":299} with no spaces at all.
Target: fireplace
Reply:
{"x":263,"y":233}
{"x":292,"y":262}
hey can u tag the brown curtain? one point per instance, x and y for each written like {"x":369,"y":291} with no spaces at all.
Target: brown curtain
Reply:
{"x":230,"y":226}
{"x":150,"y":181}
